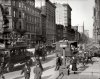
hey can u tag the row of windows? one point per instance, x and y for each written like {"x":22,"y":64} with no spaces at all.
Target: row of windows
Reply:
{"x":28,"y":18}
{"x":30,"y":27}
{"x":21,"y":4}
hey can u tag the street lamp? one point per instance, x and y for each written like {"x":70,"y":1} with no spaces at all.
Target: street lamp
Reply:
{"x":64,"y":69}
{"x":63,"y":45}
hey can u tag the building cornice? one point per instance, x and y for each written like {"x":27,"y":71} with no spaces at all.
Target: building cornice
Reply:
{"x":68,"y":6}
{"x":51,"y":3}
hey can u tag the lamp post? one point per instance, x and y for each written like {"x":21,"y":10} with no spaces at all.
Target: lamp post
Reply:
{"x":63,"y":45}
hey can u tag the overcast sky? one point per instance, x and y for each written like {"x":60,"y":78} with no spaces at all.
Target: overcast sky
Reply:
{"x":82,"y":11}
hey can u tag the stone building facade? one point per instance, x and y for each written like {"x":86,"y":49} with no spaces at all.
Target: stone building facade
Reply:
{"x":63,"y":17}
{"x":48,"y":19}
{"x":50,"y":22}
{"x":23,"y":18}
{"x":59,"y":32}
{"x":96,"y":25}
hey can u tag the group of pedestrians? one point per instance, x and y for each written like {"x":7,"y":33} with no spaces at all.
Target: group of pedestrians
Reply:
{"x":27,"y":70}
{"x":70,"y":65}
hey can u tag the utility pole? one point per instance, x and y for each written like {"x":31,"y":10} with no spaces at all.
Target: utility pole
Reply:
{"x":84,"y":45}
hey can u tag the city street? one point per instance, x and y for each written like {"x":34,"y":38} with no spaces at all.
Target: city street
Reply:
{"x":50,"y":73}
{"x":59,"y":34}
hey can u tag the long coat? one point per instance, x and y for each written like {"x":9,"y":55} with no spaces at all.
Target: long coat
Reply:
{"x":38,"y":72}
{"x":26,"y":72}
{"x":74,"y":64}
{"x":59,"y":61}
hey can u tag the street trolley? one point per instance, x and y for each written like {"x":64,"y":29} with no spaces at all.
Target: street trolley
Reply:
{"x":12,"y":55}
{"x":70,"y":52}
{"x":71,"y":48}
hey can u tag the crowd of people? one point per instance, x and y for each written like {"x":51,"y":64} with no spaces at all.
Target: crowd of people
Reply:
{"x":37,"y":71}
{"x":43,"y":51}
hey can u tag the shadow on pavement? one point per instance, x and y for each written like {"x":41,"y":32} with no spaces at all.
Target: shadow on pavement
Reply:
{"x":49,"y":67}
{"x":18,"y":77}
{"x":46,"y":77}
{"x":81,"y":77}
{"x":48,"y":59}
{"x":82,"y":68}
{"x":20,"y":67}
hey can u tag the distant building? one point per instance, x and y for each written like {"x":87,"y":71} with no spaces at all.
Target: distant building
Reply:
{"x":76,"y":33}
{"x":59,"y":32}
{"x":48,"y":15}
{"x":86,"y":32}
{"x":96,"y":25}
{"x":63,"y":14}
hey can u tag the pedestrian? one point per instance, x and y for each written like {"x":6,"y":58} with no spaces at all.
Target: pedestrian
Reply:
{"x":39,"y":62}
{"x":1,"y":73}
{"x":58,"y":62}
{"x":26,"y":70}
{"x":74,"y":65}
{"x":37,"y":71}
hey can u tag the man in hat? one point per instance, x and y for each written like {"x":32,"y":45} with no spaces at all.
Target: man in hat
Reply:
{"x":58,"y":62}
{"x":74,"y":65}
{"x":37,"y":71}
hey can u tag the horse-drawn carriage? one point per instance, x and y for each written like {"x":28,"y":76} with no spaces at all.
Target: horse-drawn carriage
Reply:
{"x":70,"y":53}
{"x":13,"y":55}
{"x":70,"y":50}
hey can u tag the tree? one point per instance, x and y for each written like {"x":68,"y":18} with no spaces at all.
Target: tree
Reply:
{"x":83,"y":38}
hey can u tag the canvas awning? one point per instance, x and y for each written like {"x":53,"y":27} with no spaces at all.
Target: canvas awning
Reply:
{"x":31,"y":50}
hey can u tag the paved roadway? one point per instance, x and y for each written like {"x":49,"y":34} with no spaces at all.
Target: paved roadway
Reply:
{"x":49,"y":73}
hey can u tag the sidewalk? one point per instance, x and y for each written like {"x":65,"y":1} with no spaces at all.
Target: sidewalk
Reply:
{"x":50,"y":73}
{"x":49,"y":63}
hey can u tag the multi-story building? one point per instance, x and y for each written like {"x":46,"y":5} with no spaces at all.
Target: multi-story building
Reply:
{"x":38,"y":25}
{"x":43,"y":25}
{"x":76,"y":33}
{"x":96,"y":30}
{"x":86,"y":32}
{"x":23,"y":18}
{"x":67,"y":15}
{"x":59,"y":32}
{"x":50,"y":21}
{"x":48,"y":16}
{"x":63,"y":14}
{"x":40,"y":4}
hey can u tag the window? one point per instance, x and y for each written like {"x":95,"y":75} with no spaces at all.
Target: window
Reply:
{"x":28,"y":8}
{"x":19,"y":4}
{"x":13,"y":3}
{"x":22,"y":5}
{"x":25,"y":7}
{"x":14,"y":14}
{"x":7,"y":10}
{"x":23,"y":15}
{"x":19,"y":25}
{"x":14,"y":25}
{"x":19,"y":14}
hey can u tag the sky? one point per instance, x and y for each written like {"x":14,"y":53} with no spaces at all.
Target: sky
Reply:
{"x":82,"y":11}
